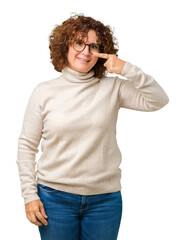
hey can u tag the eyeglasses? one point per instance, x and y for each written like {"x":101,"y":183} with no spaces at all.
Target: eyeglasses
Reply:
{"x":80,"y":45}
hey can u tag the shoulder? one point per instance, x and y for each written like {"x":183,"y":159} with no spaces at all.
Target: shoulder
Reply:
{"x":113,"y":80}
{"x":44,"y":85}
{"x":48,"y":82}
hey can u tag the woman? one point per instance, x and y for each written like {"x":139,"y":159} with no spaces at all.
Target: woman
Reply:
{"x":76,"y":190}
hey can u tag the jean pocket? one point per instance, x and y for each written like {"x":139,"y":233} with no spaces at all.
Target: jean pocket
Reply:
{"x":46,"y":189}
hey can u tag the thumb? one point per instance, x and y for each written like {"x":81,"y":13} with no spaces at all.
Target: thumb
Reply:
{"x":43,"y":211}
{"x":105,"y":64}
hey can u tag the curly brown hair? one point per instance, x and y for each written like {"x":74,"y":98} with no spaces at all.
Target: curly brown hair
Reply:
{"x":62,"y":36}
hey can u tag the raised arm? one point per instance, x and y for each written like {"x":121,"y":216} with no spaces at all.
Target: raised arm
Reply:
{"x":140,"y":91}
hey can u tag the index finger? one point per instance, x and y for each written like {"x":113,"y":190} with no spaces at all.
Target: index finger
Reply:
{"x":102,"y":55}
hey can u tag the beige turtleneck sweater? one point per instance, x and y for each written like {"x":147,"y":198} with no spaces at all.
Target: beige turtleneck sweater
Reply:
{"x":75,"y":115}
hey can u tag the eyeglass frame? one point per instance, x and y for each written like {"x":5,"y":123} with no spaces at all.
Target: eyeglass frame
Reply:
{"x":86,"y":44}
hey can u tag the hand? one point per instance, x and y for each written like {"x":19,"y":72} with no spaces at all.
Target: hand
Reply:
{"x":113,"y":63}
{"x":36,"y":209}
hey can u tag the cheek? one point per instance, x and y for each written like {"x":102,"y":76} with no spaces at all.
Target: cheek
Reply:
{"x":71,"y":54}
{"x":95,"y":60}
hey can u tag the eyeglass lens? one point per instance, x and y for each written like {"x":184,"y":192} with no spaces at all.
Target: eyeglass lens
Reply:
{"x":80,"y":45}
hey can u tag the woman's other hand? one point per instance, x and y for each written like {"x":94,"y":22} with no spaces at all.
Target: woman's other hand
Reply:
{"x":34,"y":210}
{"x":113,"y":63}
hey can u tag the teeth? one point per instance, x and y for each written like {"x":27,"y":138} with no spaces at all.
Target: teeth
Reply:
{"x":84,"y":60}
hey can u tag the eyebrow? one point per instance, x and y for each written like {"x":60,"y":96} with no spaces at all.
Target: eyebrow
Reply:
{"x":85,"y":42}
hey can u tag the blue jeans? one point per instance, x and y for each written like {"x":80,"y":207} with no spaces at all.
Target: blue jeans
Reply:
{"x":80,"y":217}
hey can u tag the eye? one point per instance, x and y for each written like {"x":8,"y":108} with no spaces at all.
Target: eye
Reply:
{"x":94,"y":46}
{"x":79,"y":43}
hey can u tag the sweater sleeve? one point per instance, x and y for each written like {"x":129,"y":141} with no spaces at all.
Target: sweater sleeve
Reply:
{"x":28,"y":143}
{"x":140,"y":91}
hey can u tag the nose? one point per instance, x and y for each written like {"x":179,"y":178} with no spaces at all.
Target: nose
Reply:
{"x":86,"y":50}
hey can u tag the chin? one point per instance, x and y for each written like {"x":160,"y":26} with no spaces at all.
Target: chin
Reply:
{"x":83,"y":69}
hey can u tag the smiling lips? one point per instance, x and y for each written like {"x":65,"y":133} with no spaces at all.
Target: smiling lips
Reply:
{"x":83,"y":60}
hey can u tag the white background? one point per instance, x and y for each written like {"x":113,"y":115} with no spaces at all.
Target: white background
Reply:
{"x":150,"y":35}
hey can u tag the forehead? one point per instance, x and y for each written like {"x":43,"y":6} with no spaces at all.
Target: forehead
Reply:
{"x":90,"y":36}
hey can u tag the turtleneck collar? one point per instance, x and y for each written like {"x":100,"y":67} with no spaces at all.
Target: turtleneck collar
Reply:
{"x":79,"y":77}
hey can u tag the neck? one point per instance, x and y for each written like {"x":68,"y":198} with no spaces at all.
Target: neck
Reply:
{"x":79,"y":77}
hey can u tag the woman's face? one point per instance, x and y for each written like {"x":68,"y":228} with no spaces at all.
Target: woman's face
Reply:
{"x":83,"y":61}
